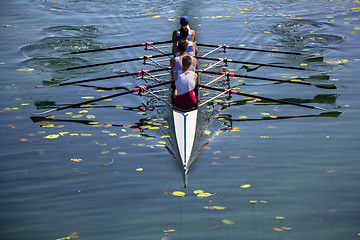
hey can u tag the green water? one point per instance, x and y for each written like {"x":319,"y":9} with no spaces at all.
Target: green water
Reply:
{"x":112,"y":181}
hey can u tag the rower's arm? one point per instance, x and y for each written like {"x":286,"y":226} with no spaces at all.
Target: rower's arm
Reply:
{"x":174,"y":37}
{"x":174,"y":49}
{"x":193,"y":36}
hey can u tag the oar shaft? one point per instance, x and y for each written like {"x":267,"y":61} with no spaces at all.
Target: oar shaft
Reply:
{"x":114,"y":76}
{"x":260,"y":97}
{"x":114,"y":62}
{"x":107,"y":97}
{"x":254,"y":77}
{"x":252,"y":63}
{"x":121,"y":47}
{"x":249,"y":49}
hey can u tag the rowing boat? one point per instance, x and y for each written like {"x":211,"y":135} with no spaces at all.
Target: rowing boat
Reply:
{"x":185,"y":129}
{"x":185,"y":121}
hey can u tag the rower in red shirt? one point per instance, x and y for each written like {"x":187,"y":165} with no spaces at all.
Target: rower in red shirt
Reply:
{"x":185,"y":82}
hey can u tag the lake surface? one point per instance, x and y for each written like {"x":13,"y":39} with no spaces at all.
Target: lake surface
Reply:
{"x":268,"y":171}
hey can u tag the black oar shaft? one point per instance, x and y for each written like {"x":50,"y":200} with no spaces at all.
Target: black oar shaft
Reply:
{"x":249,"y":49}
{"x":114,"y":76}
{"x":122,"y":47}
{"x":107,"y":97}
{"x":329,"y":86}
{"x":252,"y":63}
{"x":260,"y":97}
{"x":114,"y":62}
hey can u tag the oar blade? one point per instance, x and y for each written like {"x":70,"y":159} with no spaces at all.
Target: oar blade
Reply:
{"x":326,"y":85}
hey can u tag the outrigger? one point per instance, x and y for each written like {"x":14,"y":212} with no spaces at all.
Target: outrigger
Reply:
{"x":185,"y":121}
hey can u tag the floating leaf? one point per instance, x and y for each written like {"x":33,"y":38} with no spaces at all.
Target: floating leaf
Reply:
{"x":287,"y":228}
{"x":253,"y":201}
{"x":219,"y":207}
{"x":122,"y":153}
{"x":278,"y":229}
{"x":168,"y":230}
{"x":207,"y":132}
{"x":139,"y":169}
{"x":178,"y":194}
{"x":280,"y":217}
{"x":23,"y":140}
{"x":198,"y":191}
{"x":245,"y":186}
{"x":76,"y":159}
{"x":52,"y":136}
{"x":204,"y":195}
{"x":229,"y":222}
{"x":87,"y":97}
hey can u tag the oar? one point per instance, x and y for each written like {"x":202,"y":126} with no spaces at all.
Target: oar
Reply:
{"x":119,"y":61}
{"x":109,"y":77}
{"x":319,"y":85}
{"x":249,"y":49}
{"x":256,"y":96}
{"x":121,"y":47}
{"x":137,"y":89}
{"x":226,"y":60}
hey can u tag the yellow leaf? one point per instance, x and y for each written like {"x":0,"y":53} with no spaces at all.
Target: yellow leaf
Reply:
{"x":76,"y":159}
{"x":165,"y":136}
{"x":280,"y":217}
{"x":278,"y":229}
{"x":245,"y":186}
{"x":219,"y":207}
{"x":122,"y":153}
{"x":204,"y":195}
{"x":52,"y":136}
{"x":207,"y":132}
{"x":265,"y":114}
{"x":287,"y":228}
{"x":90,"y":116}
{"x":168,"y":230}
{"x":229,"y":222}
{"x":139,"y":169}
{"x":198,"y":191}
{"x":87,"y":97}
{"x":83,"y":111}
{"x":178,"y":194}
{"x":253,"y":201}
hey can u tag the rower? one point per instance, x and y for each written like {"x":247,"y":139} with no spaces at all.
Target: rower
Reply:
{"x":192,"y":49}
{"x":184,"y":22}
{"x":185,"y":82}
{"x":176,"y":62}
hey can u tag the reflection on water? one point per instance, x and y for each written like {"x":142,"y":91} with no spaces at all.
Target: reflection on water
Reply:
{"x":255,"y":159}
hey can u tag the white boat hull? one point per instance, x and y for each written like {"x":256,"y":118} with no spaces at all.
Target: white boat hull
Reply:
{"x":185,"y":128}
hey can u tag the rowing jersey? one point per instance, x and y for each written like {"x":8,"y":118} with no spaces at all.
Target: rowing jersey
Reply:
{"x":185,"y":86}
{"x":178,"y":65}
{"x":190,"y":50}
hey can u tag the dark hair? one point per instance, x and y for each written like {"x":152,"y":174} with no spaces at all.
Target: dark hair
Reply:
{"x":184,"y":32}
{"x":186,"y":61}
{"x":182,"y":46}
